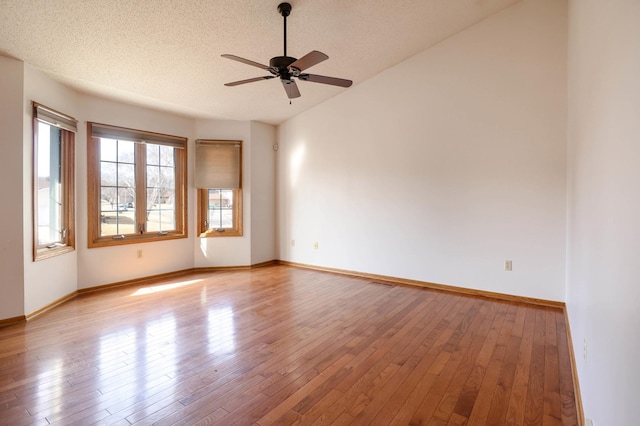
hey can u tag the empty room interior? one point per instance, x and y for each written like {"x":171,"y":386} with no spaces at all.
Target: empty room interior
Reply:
{"x":432,"y":218}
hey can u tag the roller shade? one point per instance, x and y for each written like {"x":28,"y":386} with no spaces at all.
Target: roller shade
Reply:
{"x":140,"y":136}
{"x":55,"y":118}
{"x":218,"y":164}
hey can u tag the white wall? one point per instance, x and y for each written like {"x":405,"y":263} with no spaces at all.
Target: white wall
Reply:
{"x":263,"y":193}
{"x":603,"y":288}
{"x":227,"y":251}
{"x":12,"y":196}
{"x":443,"y":166}
{"x":106,"y":265}
{"x":49,"y":279}
{"x":258,"y":188}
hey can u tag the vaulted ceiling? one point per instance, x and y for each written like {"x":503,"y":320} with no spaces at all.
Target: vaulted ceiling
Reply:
{"x":165,"y":54}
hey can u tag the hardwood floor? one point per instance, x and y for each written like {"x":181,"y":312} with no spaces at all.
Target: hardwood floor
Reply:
{"x":281,"y":345}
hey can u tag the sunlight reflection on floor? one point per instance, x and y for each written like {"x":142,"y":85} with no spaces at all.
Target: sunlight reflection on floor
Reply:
{"x":222,"y":334}
{"x":163,"y":287}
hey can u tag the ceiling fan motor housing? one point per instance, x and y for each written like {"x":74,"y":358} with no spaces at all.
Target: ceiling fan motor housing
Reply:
{"x":281,"y":63}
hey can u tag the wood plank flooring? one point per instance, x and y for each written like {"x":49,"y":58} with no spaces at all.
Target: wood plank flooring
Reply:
{"x":281,"y":345}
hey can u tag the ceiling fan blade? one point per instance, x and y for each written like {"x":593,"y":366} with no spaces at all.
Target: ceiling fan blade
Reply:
{"x":291,"y":88}
{"x":326,"y":80}
{"x":309,"y":60}
{"x":250,"y":80}
{"x":245,"y":61}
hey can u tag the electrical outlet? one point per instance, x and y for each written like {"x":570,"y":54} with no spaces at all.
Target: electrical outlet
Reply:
{"x":293,"y":243}
{"x":139,"y":254}
{"x":588,"y":422}
{"x":315,"y":245}
{"x":508,"y":265}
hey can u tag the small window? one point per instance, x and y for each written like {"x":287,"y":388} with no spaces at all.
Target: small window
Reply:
{"x":218,"y":179}
{"x":137,"y":186}
{"x":53,"y":178}
{"x":220,"y":212}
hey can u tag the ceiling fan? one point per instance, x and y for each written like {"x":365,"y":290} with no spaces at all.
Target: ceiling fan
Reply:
{"x":287,"y":68}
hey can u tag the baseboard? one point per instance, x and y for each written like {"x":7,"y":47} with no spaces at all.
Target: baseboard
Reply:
{"x":263,"y":264}
{"x":47,"y":307}
{"x":376,"y":277}
{"x":574,"y":371}
{"x":168,"y":275}
{"x":140,"y":280}
{"x":11,"y":321}
{"x":433,"y":286}
{"x":235,"y":268}
{"x":51,"y":305}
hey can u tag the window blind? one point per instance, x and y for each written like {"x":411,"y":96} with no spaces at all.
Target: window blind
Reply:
{"x":218,"y":164}
{"x":55,"y":118}
{"x":140,"y":136}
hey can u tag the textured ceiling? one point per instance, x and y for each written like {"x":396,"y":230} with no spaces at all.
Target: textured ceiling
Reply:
{"x":165,"y":54}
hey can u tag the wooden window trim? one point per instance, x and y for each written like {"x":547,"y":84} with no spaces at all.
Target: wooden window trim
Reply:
{"x":93,"y":193}
{"x":67,"y":157}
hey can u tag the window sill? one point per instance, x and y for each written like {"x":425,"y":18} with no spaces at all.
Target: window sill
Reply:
{"x":47,"y":253}
{"x":211,"y":233}
{"x":134,"y":239}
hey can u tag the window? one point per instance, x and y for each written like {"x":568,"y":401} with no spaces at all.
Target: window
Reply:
{"x":137,"y":186}
{"x":53,"y":179}
{"x":219,"y":179}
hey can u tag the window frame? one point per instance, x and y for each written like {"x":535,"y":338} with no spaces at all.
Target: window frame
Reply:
{"x":67,"y":242}
{"x":95,"y":239}
{"x":204,"y":231}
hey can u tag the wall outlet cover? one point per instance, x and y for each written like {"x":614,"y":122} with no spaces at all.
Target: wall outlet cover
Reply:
{"x":508,"y":265}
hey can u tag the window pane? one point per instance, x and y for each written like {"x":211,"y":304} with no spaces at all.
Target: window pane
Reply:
{"x":108,"y":174}
{"x":153,"y":176}
{"x":220,"y":208}
{"x":117,"y":191}
{"x":226,"y":207}
{"x":160,"y":188}
{"x":117,"y":216}
{"x":49,"y":183}
{"x":153,"y":154}
{"x":108,"y":149}
{"x":161,"y":210}
{"x":126,"y":176}
{"x":167,"y":177}
{"x":167,"y":156}
{"x":126,"y":151}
